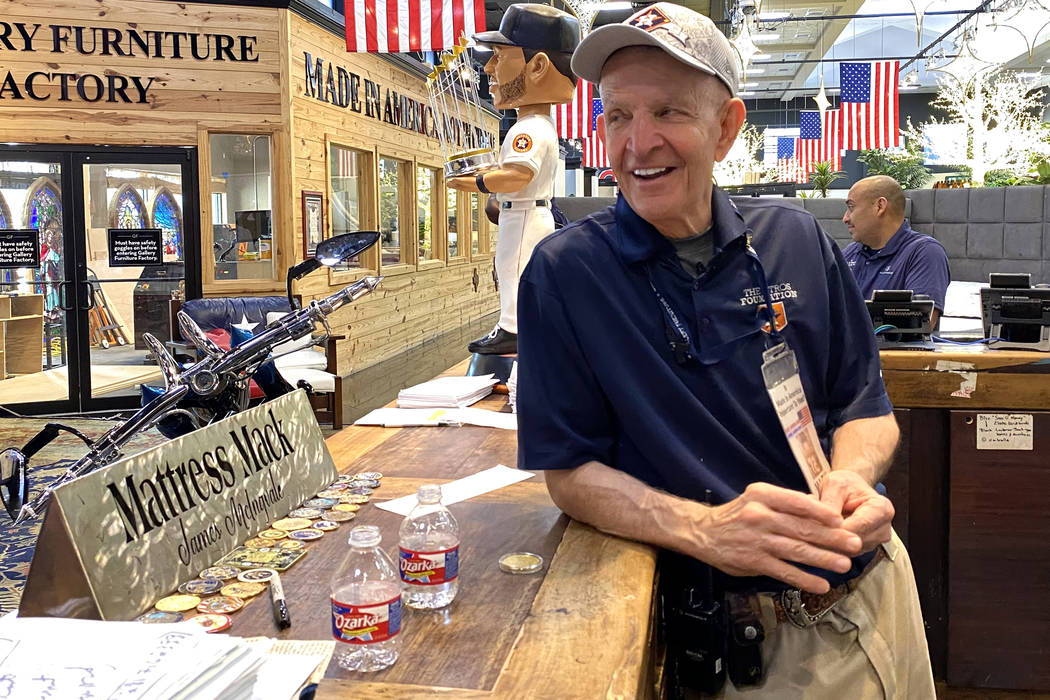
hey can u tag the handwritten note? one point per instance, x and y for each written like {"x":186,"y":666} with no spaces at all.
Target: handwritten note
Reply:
{"x":1005,"y":431}
{"x":86,"y":659}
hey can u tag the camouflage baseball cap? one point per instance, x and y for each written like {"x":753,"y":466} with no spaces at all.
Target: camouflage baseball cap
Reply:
{"x":686,"y":35}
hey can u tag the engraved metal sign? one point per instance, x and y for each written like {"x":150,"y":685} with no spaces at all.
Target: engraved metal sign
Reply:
{"x":116,"y":540}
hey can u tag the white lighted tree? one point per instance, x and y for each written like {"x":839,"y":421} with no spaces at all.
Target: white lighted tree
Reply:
{"x":1000,"y":115}
{"x":742,"y":158}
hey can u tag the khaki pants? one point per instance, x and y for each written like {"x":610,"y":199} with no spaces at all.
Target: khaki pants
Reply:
{"x":870,"y":646}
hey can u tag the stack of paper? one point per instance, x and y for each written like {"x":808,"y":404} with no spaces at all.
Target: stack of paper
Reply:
{"x":59,"y":658}
{"x":512,"y":387}
{"x":446,"y":392}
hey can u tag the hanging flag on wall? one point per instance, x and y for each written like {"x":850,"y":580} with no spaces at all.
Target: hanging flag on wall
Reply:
{"x":573,"y":119}
{"x":818,"y":140}
{"x":594,"y":155}
{"x":397,"y":26}
{"x":869,"y":104}
{"x":787,"y":166}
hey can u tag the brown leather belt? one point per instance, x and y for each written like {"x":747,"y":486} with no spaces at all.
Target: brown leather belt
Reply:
{"x":806,"y":609}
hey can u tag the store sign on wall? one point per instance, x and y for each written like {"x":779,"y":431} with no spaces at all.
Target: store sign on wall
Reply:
{"x":135,"y":247}
{"x":55,"y":40}
{"x":338,"y":86}
{"x":19,"y":247}
{"x":131,"y":532}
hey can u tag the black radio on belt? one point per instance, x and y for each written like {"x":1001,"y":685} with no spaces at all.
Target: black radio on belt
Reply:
{"x":695,"y":623}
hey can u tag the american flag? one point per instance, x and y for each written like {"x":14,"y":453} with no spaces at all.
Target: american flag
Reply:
{"x":345,"y":164}
{"x":594,"y":155}
{"x":818,"y":140}
{"x":573,"y":119}
{"x":869,"y":104}
{"x":787,"y":166}
{"x":397,"y":26}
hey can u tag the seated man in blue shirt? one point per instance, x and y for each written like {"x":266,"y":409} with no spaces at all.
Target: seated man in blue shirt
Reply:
{"x":641,"y":392}
{"x":886,"y":253}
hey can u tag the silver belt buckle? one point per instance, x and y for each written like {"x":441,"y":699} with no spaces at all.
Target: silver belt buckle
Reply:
{"x":795,"y":609}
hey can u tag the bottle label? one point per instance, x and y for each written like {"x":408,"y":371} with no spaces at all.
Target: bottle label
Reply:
{"x":366,"y":624}
{"x":429,"y":568}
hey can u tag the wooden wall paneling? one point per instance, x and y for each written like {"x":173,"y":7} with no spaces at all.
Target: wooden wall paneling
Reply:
{"x":999,"y":560}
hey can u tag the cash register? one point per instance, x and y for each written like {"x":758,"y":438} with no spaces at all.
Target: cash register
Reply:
{"x":901,"y":319}
{"x":1015,"y":314}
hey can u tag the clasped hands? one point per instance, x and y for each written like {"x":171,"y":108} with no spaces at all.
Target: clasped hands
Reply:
{"x":765,"y":529}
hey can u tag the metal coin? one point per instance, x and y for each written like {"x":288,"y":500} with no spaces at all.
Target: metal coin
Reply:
{"x":326,"y":525}
{"x":331,"y":493}
{"x":359,"y":491}
{"x":342,"y":479}
{"x":220,"y":572}
{"x":321,"y":503}
{"x":256,"y":575}
{"x":220,"y":604}
{"x":242,"y":589}
{"x":289,"y":524}
{"x":308,"y":513}
{"x":177,"y":603}
{"x":156,"y":616}
{"x":375,"y":476}
{"x":290,"y":544}
{"x":340,"y":516}
{"x":273,"y":534}
{"x":352,"y":499}
{"x":258,"y":542}
{"x":306,"y":535}
{"x":212,"y":622}
{"x":201,"y":586}
{"x":521,"y":563}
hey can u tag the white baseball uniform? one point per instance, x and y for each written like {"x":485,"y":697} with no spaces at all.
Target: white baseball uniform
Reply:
{"x":533,"y":143}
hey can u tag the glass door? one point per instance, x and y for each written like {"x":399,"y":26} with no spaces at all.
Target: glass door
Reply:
{"x":35,"y":299}
{"x":136,"y":219}
{"x":93,"y":246}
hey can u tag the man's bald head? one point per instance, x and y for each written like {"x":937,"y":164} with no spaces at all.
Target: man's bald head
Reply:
{"x":874,"y":210}
{"x":884,"y":186}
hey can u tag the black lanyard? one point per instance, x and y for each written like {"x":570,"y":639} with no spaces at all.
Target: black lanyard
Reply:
{"x":677,"y":332}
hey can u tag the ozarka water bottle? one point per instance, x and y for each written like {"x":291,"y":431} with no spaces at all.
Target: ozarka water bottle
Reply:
{"x":429,"y":552}
{"x":366,"y":605}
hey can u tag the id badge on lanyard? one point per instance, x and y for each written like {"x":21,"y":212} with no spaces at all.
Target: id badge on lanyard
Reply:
{"x":780,"y":375}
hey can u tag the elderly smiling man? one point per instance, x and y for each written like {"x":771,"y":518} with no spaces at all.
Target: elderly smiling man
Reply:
{"x":641,"y":392}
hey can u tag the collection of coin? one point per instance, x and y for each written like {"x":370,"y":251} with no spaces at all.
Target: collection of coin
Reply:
{"x":215,"y":594}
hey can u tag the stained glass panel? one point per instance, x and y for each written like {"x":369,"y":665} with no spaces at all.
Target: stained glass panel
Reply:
{"x":129,"y":210}
{"x":167,"y":218}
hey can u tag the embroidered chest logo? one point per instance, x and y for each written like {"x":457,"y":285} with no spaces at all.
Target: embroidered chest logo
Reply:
{"x":888,"y":270}
{"x":779,"y":315}
{"x":753,"y":295}
{"x":522,"y":143}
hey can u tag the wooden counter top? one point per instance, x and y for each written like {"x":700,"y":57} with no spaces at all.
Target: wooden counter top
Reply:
{"x":970,"y":378}
{"x":578,"y":629}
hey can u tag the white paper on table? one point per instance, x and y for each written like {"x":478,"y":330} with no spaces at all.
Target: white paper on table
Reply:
{"x":289,"y":665}
{"x":461,"y":489}
{"x":410,"y":417}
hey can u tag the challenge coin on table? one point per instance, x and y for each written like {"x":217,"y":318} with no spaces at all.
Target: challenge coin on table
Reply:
{"x":289,"y":524}
{"x":290,"y":544}
{"x":256,"y":575}
{"x":320,"y":503}
{"x":220,"y":572}
{"x":243,"y":590}
{"x":332,"y":492}
{"x":212,"y":622}
{"x":325,"y":525}
{"x":220,"y":604}
{"x":371,"y":476}
{"x":340,"y":516}
{"x":177,"y":603}
{"x":308,"y":513}
{"x":201,"y":586}
{"x":273,"y":534}
{"x":159,"y":617}
{"x":306,"y":535}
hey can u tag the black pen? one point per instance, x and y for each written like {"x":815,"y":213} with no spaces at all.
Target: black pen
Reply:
{"x":280,"y":606}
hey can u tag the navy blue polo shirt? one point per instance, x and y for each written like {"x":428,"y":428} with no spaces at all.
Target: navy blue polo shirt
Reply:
{"x":909,"y":260}
{"x":597,"y":379}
